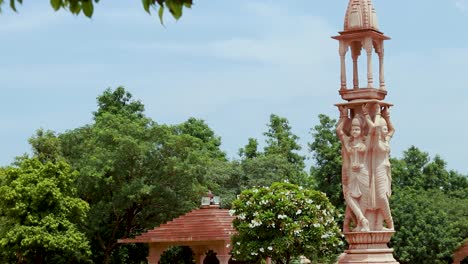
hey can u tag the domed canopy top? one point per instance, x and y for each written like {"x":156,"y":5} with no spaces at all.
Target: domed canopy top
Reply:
{"x":360,"y":15}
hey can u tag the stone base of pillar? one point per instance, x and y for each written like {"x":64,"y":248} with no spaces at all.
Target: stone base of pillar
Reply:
{"x":368,"y":247}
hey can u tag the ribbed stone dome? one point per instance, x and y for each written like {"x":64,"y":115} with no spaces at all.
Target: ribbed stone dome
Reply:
{"x":360,"y":15}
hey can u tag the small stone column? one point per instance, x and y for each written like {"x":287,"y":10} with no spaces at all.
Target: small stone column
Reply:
{"x":370,"y":75}
{"x":223,"y":259}
{"x":381,"y":65}
{"x":355,"y":52}
{"x":155,"y":252}
{"x":200,"y":258}
{"x":343,"y":51}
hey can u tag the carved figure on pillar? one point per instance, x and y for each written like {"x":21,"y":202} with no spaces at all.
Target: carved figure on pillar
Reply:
{"x":355,"y":170}
{"x":380,"y":182}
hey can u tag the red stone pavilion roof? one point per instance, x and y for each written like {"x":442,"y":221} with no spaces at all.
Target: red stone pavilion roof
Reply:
{"x":204,"y":224}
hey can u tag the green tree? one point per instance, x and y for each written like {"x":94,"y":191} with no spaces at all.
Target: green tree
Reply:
{"x":135,"y":173}
{"x":45,"y":145}
{"x":86,"y":7}
{"x":281,"y":141}
{"x":429,"y":206}
{"x":40,"y":214}
{"x":197,"y":128}
{"x":279,"y":160}
{"x":263,"y":170}
{"x":250,"y":150}
{"x":326,"y":153}
{"x":283,"y":222}
{"x":429,"y":224}
{"x":418,"y":171}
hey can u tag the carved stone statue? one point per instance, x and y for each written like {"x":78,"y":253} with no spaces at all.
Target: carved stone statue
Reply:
{"x":381,"y":130}
{"x":366,"y":174}
{"x":355,"y":171}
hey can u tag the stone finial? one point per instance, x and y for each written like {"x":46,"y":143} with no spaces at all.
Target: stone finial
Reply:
{"x":210,"y":201}
{"x":360,"y":15}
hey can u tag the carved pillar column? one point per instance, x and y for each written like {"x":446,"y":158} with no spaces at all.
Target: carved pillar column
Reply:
{"x":368,"y":47}
{"x":343,"y":50}
{"x":381,"y":65}
{"x":155,"y":252}
{"x":223,"y":259}
{"x":198,"y":253}
{"x":355,"y":53}
{"x":200,"y":258}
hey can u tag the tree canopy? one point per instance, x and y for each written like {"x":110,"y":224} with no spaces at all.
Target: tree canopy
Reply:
{"x":283,"y":222}
{"x":86,"y":7}
{"x":40,"y":214}
{"x":124,"y":173}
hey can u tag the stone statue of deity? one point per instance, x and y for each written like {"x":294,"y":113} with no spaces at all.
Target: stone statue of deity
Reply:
{"x":366,"y":174}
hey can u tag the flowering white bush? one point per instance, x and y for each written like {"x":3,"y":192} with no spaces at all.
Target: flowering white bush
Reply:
{"x":284,"y":221}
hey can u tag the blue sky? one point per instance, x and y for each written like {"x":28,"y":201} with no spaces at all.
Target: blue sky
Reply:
{"x":232,"y":63}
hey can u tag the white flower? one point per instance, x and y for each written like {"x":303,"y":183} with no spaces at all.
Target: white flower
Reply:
{"x":232,"y":212}
{"x":300,"y":188}
{"x":238,"y":243}
{"x":242,"y":216}
{"x":270,"y":248}
{"x":255,"y":223}
{"x":297,"y":232}
{"x":262,"y":250}
{"x":299,"y":211}
{"x":255,"y":190}
{"x":318,"y":206}
{"x":228,"y":245}
{"x":309,"y":201}
{"x":254,"y":253}
{"x":316,"y":225}
{"x":282,"y":216}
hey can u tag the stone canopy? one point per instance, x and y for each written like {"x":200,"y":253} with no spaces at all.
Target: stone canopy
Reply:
{"x":203,"y":229}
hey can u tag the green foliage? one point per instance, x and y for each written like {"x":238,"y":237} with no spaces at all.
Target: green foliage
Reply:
{"x":278,"y":162}
{"x":429,"y":206}
{"x":197,"y":128}
{"x":250,"y":150}
{"x":40,"y":214}
{"x":326,"y":152}
{"x":416,"y":170}
{"x":45,"y":145}
{"x":86,"y":7}
{"x":284,"y":221}
{"x":119,"y":101}
{"x":281,"y":141}
{"x":263,"y":170}
{"x":177,"y":255}
{"x":430,"y":225}
{"x":135,"y":173}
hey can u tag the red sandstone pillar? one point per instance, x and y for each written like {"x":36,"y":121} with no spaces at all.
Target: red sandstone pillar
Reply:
{"x":223,"y":259}
{"x":155,"y":252}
